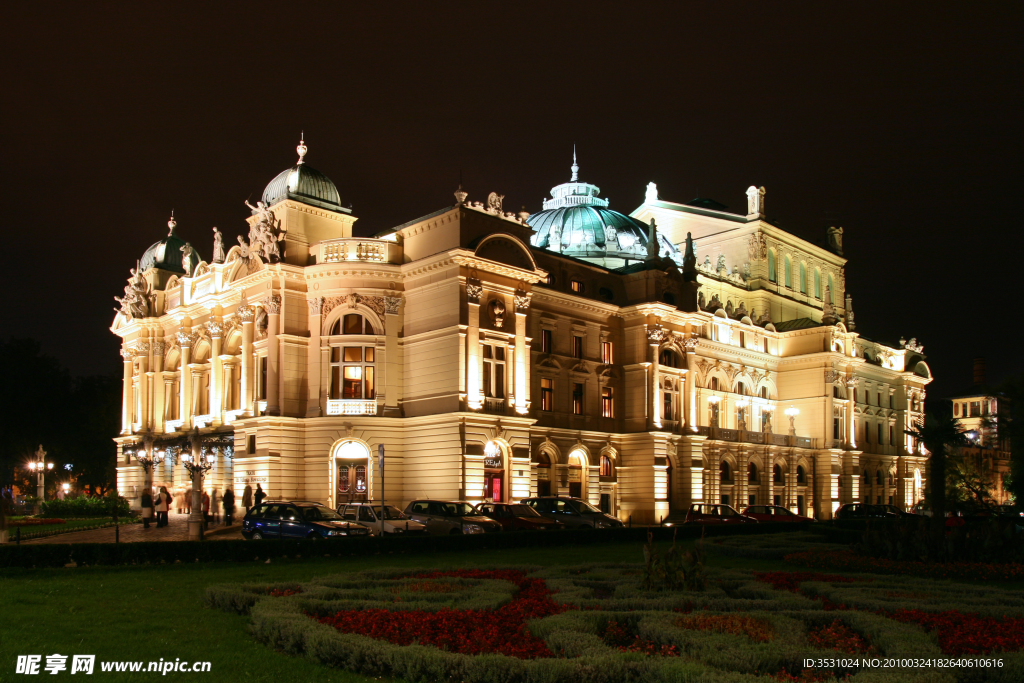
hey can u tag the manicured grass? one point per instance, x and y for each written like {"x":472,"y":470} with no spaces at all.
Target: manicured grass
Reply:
{"x":148,"y":613}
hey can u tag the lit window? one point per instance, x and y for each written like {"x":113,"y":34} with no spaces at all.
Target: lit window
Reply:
{"x":352,"y":323}
{"x":773,"y":275}
{"x":788,"y":271}
{"x":494,"y":371}
{"x":577,"y":346}
{"x":606,"y":352}
{"x":577,"y":398}
{"x":545,"y":341}
{"x":607,"y":402}
{"x":803,"y":278}
{"x":352,"y":372}
{"x":817,"y":283}
{"x":606,"y":466}
{"x":547,"y":394}
{"x":576,"y":286}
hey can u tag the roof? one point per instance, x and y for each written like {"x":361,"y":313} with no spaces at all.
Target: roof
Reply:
{"x":167,"y":253}
{"x":704,"y":203}
{"x":797,"y":324}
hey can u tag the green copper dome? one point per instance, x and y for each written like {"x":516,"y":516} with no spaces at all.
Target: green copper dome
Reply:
{"x":305,"y":184}
{"x":577,"y":222}
{"x":166,"y":254}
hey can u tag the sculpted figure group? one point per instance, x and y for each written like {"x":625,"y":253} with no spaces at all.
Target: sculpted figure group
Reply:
{"x":265,"y":236}
{"x":135,"y":302}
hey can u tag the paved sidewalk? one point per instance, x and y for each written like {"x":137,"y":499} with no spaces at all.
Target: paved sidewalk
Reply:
{"x":176,"y":530}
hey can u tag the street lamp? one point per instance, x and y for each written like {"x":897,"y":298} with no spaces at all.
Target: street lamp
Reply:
{"x":714,"y":400}
{"x":198,"y":462}
{"x":741,"y":422}
{"x":792,"y":412}
{"x":39,"y":466}
{"x":147,"y":459}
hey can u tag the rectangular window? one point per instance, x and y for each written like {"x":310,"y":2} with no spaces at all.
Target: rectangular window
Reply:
{"x":576,"y":286}
{"x":606,"y":352}
{"x":836,"y":430}
{"x":351,"y":372}
{"x":607,"y":402}
{"x":547,"y":394}
{"x":493,"y":380}
{"x":545,"y":341}
{"x":879,"y":397}
{"x":890,"y":435}
{"x":766,"y":344}
{"x":668,"y":414}
{"x":879,"y":433}
{"x":263,"y":376}
{"x":577,"y":398}
{"x":743,"y":340}
{"x":352,"y":387}
{"x":251,"y":441}
{"x":577,"y":346}
{"x":752,"y":499}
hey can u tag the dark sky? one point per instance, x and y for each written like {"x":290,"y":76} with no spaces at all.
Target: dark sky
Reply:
{"x":900,"y":120}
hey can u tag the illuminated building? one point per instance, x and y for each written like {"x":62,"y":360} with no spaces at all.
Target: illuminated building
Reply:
{"x":983,"y":414}
{"x":577,"y":351}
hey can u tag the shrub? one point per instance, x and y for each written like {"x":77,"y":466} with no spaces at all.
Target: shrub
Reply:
{"x":85,"y":506}
{"x":674,"y":568}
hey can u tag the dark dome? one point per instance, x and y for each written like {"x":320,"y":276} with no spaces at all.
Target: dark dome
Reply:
{"x":305,"y":184}
{"x":166,"y":254}
{"x":586,"y":228}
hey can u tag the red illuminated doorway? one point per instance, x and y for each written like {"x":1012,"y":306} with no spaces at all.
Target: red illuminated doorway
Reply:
{"x":494,"y":472}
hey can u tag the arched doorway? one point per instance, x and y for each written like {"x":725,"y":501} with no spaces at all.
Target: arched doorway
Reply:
{"x":577,"y":474}
{"x":542,"y":462}
{"x":495,"y":485}
{"x":918,"y":488}
{"x":350,"y":470}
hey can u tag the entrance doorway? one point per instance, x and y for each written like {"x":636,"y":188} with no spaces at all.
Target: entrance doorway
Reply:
{"x":543,"y":463}
{"x":351,"y":472}
{"x":494,"y":472}
{"x":577,"y":474}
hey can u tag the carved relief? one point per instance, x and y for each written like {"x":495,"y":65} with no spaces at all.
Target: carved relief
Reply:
{"x":391,"y":304}
{"x":496,"y":311}
{"x":185,"y":338}
{"x":315,"y":304}
{"x":215,"y":328}
{"x":374,"y":303}
{"x":331,"y":302}
{"x":691,"y":343}
{"x":473,"y":292}
{"x":272,"y":304}
{"x":656,"y":334}
{"x":522,"y":302}
{"x":159,"y":348}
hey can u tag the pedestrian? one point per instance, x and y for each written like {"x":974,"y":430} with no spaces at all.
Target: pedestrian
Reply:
{"x":215,"y":506}
{"x":229,"y":506}
{"x":206,"y":509}
{"x":258,"y":497}
{"x":147,"y":507}
{"x":179,"y":500}
{"x":247,"y":497}
{"x":163,"y":504}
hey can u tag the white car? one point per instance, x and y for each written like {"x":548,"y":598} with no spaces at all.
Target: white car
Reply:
{"x":369,"y":515}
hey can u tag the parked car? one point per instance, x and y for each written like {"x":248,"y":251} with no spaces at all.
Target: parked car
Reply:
{"x":369,"y":515}
{"x":899,"y":512}
{"x":297,"y":519}
{"x":864,"y":511}
{"x":920,"y":509}
{"x":517,"y":517}
{"x":572,"y":512}
{"x":708,"y":513}
{"x":450,"y":517}
{"x":773,"y":513}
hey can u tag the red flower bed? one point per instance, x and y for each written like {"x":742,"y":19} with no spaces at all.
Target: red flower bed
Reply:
{"x":848,"y":560}
{"x":839,"y":636}
{"x":471,"y":632}
{"x":625,"y":640}
{"x":756,"y":629}
{"x":283,"y":592}
{"x":967,"y":634}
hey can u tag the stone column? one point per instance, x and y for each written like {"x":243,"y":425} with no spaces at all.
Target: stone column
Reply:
{"x":195,"y":520}
{"x":690,"y":397}
{"x":185,"y":339}
{"x":126,"y":390}
{"x":393,"y":365}
{"x":246,"y":315}
{"x":158,"y":387}
{"x":655,"y":335}
{"x":228,"y":384}
{"x":522,"y":358}
{"x":273,"y":307}
{"x":216,"y":330}
{"x":851,"y":403}
{"x":474,"y":362}
{"x":313,"y":407}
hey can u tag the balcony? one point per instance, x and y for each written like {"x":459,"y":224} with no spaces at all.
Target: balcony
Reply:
{"x":737,"y":436}
{"x":494,"y":405}
{"x":356,"y":249}
{"x":351,"y":407}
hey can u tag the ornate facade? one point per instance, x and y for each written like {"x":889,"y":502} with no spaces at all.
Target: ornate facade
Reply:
{"x":681,"y":353}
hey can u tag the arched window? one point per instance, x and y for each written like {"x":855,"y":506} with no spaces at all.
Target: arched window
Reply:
{"x":867,"y":479}
{"x":724,"y":473}
{"x":777,"y":474}
{"x":788,"y":271}
{"x":803,"y":278}
{"x":741,"y":388}
{"x":669,"y":359}
{"x":352,"y":372}
{"x":606,"y":466}
{"x":751,"y":472}
{"x":773,"y":274}
{"x":817,"y":283}
{"x":832,"y":289}
{"x":352,"y":323}
{"x":714,"y":384}
{"x":801,"y":477}
{"x":878,"y":477}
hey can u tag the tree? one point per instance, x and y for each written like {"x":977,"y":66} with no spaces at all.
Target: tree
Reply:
{"x":940,"y":433}
{"x":969,"y":486}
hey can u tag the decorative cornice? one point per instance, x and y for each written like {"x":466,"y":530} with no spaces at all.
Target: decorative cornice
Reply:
{"x":531,"y":276}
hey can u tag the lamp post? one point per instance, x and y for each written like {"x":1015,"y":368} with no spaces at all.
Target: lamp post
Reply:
{"x":741,"y":422}
{"x":792,"y":412}
{"x":198,"y":464}
{"x":714,"y":400}
{"x":39,"y":466}
{"x":766,"y":411}
{"x":148,"y":458}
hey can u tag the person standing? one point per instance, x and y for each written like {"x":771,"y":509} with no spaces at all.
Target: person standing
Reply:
{"x":215,"y":506}
{"x":206,"y":509}
{"x":163,"y":504}
{"x":147,"y":507}
{"x":259,"y":495}
{"x":229,"y":506}
{"x":247,"y":497}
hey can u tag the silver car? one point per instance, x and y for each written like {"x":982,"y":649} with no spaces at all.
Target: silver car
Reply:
{"x":450,"y":517}
{"x":369,"y":515}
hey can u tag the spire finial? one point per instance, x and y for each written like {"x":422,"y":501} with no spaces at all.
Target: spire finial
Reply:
{"x":302,"y":149}
{"x":575,"y":167}
{"x":171,"y":223}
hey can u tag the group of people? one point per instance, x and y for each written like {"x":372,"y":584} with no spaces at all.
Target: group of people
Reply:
{"x":158,"y":507}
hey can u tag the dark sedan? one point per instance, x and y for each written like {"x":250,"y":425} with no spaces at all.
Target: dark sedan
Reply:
{"x":865,"y":511}
{"x":707,"y":513}
{"x":297,"y":519}
{"x":774,"y":513}
{"x":517,"y":517}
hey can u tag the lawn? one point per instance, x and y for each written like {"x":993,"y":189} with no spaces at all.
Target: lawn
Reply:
{"x":150,"y":613}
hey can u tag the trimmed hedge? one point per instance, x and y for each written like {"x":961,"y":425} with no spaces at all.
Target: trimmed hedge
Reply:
{"x":157,"y":552}
{"x":85,"y":506}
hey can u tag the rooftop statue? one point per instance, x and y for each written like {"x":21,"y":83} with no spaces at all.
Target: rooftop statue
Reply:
{"x":218,"y":246}
{"x":265,"y":234}
{"x":136,"y":300}
{"x":835,"y":240}
{"x":187,"y":254}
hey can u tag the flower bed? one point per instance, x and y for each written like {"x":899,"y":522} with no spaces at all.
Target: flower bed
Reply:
{"x":968,"y":634}
{"x":31,"y":521}
{"x":839,"y":636}
{"x":846,"y":560}
{"x":758,"y":630}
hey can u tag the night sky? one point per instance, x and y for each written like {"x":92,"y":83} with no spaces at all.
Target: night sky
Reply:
{"x":899,"y":121}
